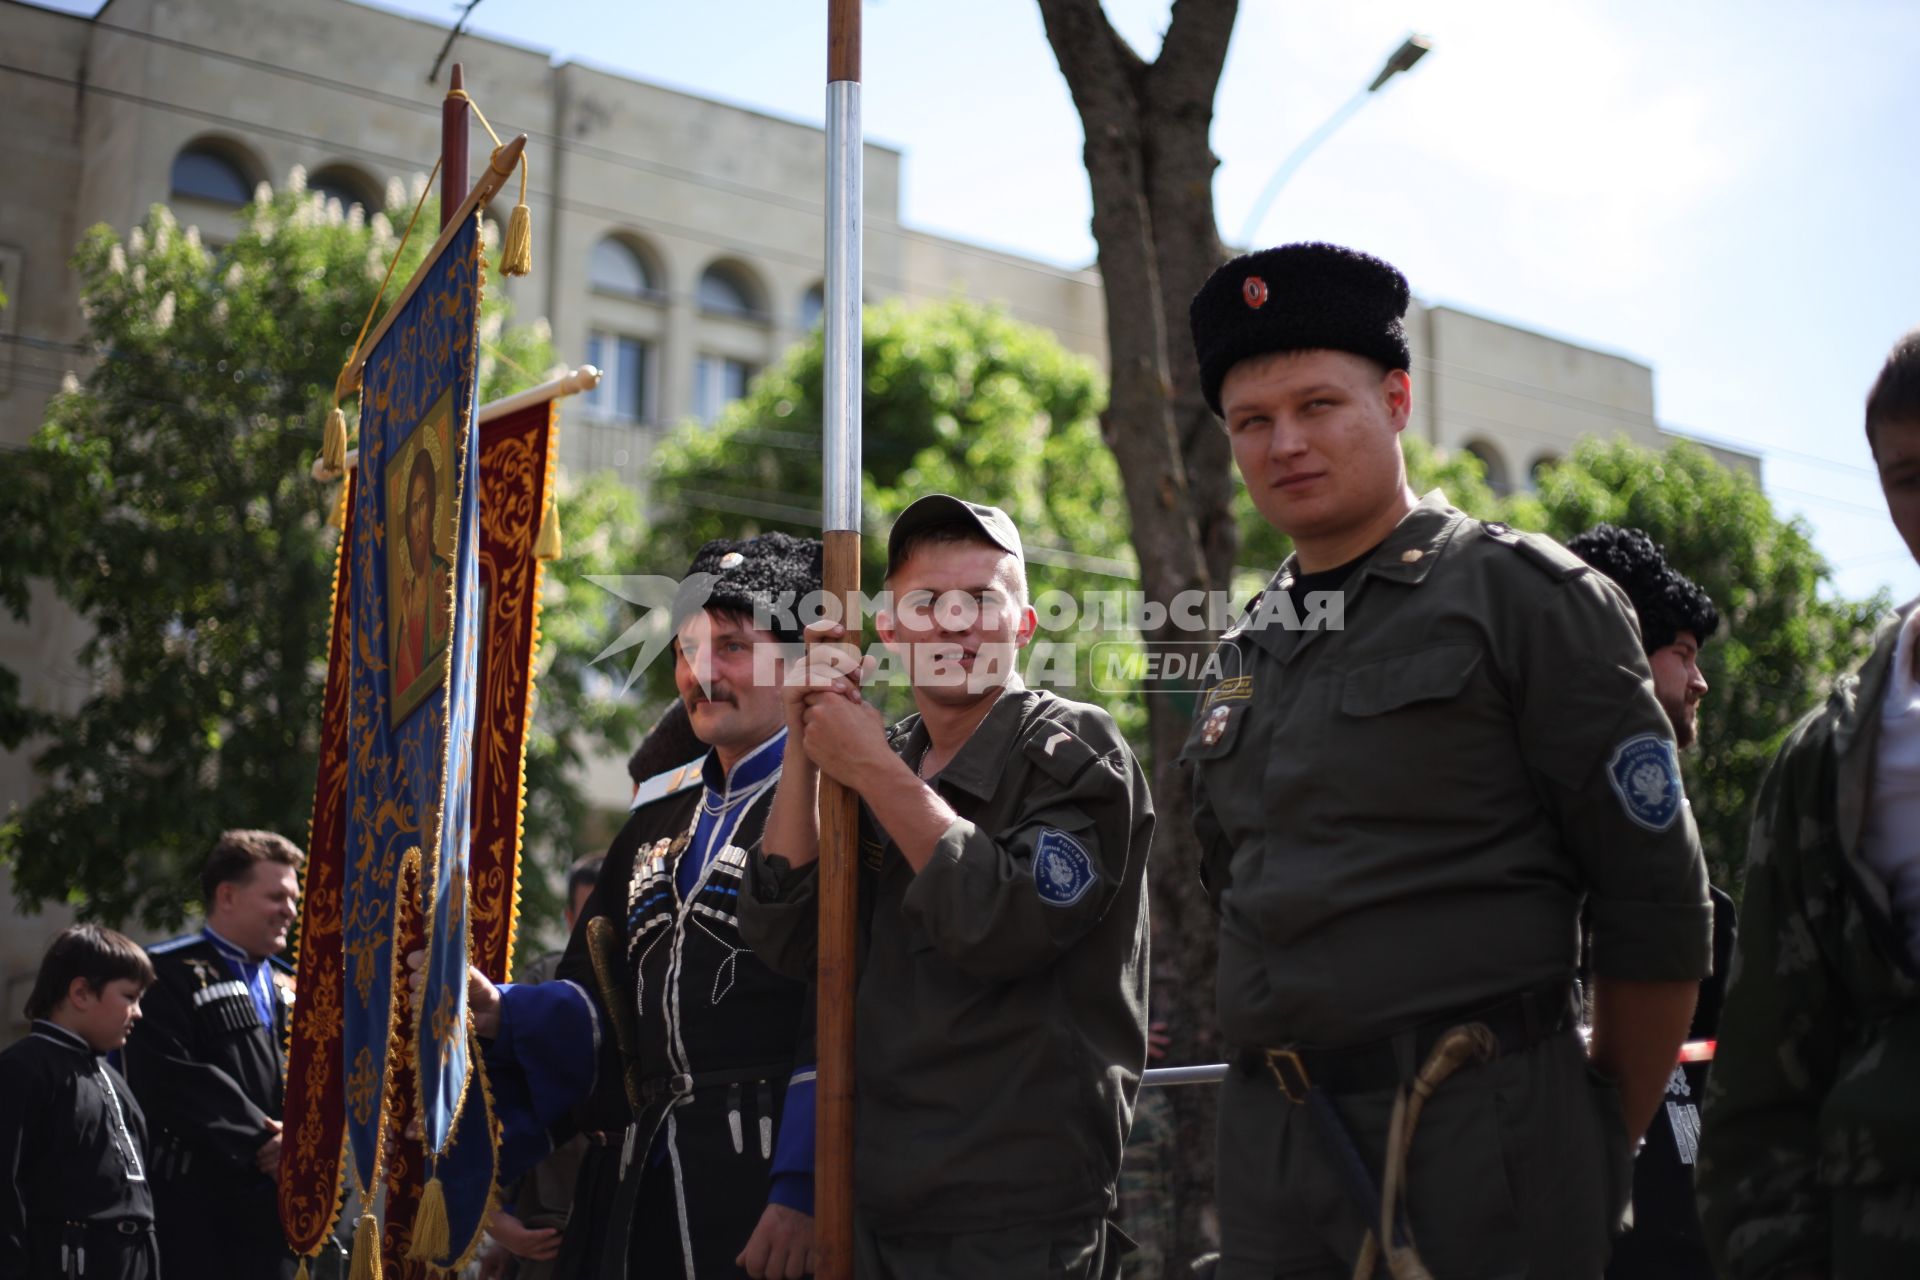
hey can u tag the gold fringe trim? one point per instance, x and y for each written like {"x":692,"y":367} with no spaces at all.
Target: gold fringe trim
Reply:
{"x":430,"y":1228}
{"x":366,"y":1249}
{"x":547,"y":545}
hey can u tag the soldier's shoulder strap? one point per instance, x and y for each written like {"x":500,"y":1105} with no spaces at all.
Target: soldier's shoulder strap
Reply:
{"x":672,"y":782}
{"x":1056,"y":740}
{"x":173,"y":945}
{"x":1538,"y":550}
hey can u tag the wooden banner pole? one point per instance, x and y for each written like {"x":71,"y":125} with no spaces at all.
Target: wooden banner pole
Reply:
{"x":839,"y":807}
{"x":454,"y":119}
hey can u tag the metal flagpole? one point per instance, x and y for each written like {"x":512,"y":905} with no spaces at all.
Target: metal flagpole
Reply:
{"x":839,"y":810}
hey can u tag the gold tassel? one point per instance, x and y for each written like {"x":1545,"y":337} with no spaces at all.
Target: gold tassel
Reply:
{"x":366,"y":1249}
{"x":333,"y":445}
{"x":300,"y":1272}
{"x":546,"y":546}
{"x":516,"y":255}
{"x":432,"y":1237}
{"x":516,"y":252}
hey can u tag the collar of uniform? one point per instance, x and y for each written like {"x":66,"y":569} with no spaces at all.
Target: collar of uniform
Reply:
{"x":1424,"y":529}
{"x":1416,"y":542}
{"x":977,"y":766}
{"x":49,"y":1030}
{"x":748,"y":772}
{"x":236,"y":954}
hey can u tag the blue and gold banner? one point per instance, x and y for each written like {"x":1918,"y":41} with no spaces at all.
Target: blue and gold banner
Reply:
{"x":415,"y":611}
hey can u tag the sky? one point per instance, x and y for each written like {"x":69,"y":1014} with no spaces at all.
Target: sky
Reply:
{"x":1724,"y":191}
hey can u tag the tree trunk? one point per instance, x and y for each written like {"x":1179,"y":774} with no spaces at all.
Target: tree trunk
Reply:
{"x":1151,"y":172}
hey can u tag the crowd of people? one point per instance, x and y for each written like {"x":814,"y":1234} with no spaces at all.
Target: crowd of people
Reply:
{"x":1465,"y":925}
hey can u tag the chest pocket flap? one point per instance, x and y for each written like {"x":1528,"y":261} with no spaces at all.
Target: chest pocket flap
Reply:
{"x":1429,"y":675}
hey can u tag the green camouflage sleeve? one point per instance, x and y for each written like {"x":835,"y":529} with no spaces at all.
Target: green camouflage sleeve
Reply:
{"x":1762,"y":1208}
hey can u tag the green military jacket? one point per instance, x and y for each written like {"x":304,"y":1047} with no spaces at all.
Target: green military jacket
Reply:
{"x":1816,"y":1077}
{"x":1399,"y":818}
{"x":1002,"y":1002}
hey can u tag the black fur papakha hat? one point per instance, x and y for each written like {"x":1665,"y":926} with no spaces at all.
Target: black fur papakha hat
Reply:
{"x":763,"y":579}
{"x":1667,"y":601}
{"x":1299,"y":297}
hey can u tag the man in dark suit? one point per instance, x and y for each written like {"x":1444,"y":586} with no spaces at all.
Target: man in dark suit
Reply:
{"x":206,"y":1064}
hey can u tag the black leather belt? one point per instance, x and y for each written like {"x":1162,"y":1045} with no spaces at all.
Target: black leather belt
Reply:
{"x":114,"y":1227}
{"x":1518,"y":1022}
{"x":659,"y":1088}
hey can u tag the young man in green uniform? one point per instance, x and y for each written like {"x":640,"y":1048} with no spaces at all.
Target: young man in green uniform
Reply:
{"x":1001,"y":1007}
{"x":1401,"y":811}
{"x":1810,"y":1157}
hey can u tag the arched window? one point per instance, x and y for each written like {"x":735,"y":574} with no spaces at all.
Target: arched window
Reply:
{"x":617,"y":268}
{"x":204,"y":171}
{"x":1494,"y":464}
{"x":1540,"y":465}
{"x":349,"y":186}
{"x":727,"y":290}
{"x":813,"y":304}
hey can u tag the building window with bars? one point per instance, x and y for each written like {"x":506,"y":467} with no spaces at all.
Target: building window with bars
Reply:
{"x":625,"y":377}
{"x":717,"y":382}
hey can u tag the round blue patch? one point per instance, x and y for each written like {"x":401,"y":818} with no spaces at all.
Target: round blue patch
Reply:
{"x":1062,"y":868}
{"x":1645,"y":773}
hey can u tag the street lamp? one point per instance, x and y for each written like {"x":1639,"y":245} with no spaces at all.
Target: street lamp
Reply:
{"x":1411,"y":50}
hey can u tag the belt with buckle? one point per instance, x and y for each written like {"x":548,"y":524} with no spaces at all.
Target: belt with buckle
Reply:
{"x":114,"y":1226}
{"x":679,"y":1085}
{"x":1518,"y":1022}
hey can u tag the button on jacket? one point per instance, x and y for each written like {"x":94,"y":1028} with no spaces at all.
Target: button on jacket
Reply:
{"x":1399,"y":818}
{"x":1001,"y":1009}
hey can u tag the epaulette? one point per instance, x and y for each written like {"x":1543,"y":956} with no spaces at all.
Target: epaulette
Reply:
{"x":174,"y":944}
{"x":662,"y":785}
{"x":282,"y":965}
{"x":1059,"y":752}
{"x":1539,"y":550}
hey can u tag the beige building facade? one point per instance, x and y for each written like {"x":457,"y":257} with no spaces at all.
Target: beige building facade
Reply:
{"x":679,"y":242}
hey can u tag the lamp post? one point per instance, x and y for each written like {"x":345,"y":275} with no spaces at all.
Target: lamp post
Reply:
{"x":1411,"y":50}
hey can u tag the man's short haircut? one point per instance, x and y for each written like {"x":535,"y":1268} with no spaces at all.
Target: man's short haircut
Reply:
{"x":88,"y":951}
{"x":239,"y":852}
{"x":585,"y":872}
{"x":1896,"y":392}
{"x":948,"y":534}
{"x":1666,"y":600}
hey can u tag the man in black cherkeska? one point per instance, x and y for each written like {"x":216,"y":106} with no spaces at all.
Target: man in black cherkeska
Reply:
{"x":698,"y":1105}
{"x":207,"y":1063}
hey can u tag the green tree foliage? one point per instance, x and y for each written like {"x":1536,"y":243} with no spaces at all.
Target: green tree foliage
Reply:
{"x":167,"y":500}
{"x":959,"y":398}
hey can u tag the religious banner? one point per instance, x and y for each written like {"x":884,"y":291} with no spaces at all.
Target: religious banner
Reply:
{"x":311,"y":1150}
{"x":518,"y":452}
{"x":415,"y":617}
{"x":517,"y":459}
